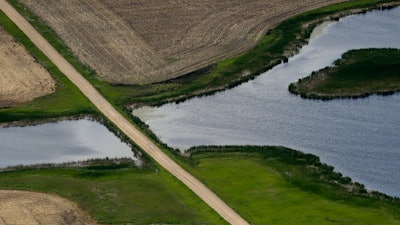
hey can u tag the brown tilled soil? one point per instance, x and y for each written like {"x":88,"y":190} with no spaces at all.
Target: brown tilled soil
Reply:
{"x":30,"y":208}
{"x":144,"y":41}
{"x":21,"y":78}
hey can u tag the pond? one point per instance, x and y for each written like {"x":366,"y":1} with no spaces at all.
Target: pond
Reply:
{"x":64,"y":141}
{"x":360,"y":138}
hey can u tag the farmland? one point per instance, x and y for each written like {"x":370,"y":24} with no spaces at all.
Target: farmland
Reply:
{"x":16,"y":208}
{"x":143,"y":42}
{"x":80,"y":179}
{"x":22,"y":78}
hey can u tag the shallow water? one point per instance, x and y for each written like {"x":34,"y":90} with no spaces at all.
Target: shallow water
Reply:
{"x":360,"y":138}
{"x":60,"y":142}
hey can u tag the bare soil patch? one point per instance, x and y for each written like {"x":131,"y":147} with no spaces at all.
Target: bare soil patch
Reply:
{"x":30,"y":208}
{"x":145,"y":41}
{"x":22,"y":79}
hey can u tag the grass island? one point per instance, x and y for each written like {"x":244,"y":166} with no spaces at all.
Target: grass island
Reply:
{"x":359,"y":73}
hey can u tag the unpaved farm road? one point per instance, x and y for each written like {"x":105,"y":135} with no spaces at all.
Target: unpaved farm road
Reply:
{"x":105,"y":107}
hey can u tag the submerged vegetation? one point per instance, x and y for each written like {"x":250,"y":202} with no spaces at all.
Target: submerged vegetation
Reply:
{"x":358,"y":74}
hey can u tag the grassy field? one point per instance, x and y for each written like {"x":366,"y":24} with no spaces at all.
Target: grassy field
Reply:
{"x":274,"y":185}
{"x":121,"y":194}
{"x":358,"y":74}
{"x":266,"y":185}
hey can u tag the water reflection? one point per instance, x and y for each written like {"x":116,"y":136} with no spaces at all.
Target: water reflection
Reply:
{"x":59,"y":142}
{"x":359,"y":137}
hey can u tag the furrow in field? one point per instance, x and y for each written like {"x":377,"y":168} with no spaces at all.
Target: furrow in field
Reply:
{"x":99,"y":38}
{"x":145,"y":41}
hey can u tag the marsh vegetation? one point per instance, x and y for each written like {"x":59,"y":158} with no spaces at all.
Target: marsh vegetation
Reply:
{"x":359,"y":73}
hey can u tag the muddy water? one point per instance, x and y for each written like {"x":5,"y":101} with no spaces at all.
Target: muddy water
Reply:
{"x":360,"y":138}
{"x":59,"y":142}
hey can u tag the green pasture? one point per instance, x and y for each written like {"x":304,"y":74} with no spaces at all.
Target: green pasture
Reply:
{"x":115,"y":194}
{"x":274,"y":185}
{"x":265,"y":185}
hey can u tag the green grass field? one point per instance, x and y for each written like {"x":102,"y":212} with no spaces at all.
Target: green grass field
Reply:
{"x":268,"y":187}
{"x":358,"y":74}
{"x":118,"y":195}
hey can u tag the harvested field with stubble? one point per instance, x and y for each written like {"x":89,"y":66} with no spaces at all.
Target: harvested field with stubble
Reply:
{"x":22,"y":79}
{"x":30,"y":208}
{"x":146,"y":41}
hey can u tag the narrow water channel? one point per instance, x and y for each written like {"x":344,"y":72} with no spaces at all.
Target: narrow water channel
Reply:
{"x":60,"y":142}
{"x":360,"y":138}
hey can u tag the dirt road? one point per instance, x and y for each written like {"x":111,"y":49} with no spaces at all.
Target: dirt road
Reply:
{"x":105,"y":107}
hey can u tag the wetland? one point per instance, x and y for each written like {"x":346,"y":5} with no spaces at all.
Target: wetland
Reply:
{"x":360,"y":138}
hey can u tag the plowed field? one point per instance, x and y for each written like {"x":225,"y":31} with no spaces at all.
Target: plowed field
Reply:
{"x":21,"y":78}
{"x":145,"y":41}
{"x":29,"y":208}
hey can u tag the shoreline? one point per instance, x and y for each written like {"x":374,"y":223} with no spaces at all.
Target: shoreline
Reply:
{"x":291,"y":49}
{"x":141,"y":124}
{"x":223,"y":75}
{"x":359,"y":73}
{"x":207,"y":91}
{"x":137,"y":153}
{"x":293,"y":156}
{"x":278,"y":43}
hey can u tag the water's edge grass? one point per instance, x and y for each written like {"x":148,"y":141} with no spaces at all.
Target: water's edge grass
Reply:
{"x":277,"y":185}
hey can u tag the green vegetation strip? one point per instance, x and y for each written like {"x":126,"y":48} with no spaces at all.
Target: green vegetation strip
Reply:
{"x":266,"y":185}
{"x":276,"y":185}
{"x":358,"y":74}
